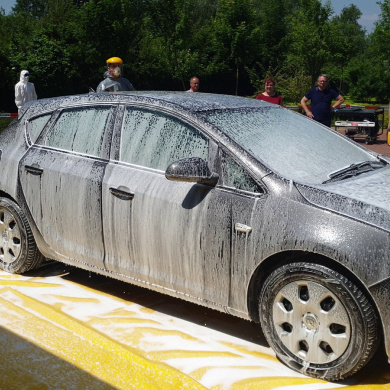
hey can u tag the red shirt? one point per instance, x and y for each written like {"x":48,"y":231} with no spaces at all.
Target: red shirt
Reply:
{"x":277,"y":99}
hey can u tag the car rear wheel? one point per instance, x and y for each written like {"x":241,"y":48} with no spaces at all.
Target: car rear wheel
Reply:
{"x":18,"y":251}
{"x":318,"y":322}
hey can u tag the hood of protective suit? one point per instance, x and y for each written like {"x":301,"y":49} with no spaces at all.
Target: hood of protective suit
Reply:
{"x":24,"y":79}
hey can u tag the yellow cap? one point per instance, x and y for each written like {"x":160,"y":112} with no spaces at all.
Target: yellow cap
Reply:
{"x":114,"y":60}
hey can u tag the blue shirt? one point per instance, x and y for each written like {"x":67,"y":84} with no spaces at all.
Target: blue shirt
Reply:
{"x":321,"y":103}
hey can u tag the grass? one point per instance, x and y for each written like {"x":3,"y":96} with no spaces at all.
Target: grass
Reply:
{"x":4,"y":122}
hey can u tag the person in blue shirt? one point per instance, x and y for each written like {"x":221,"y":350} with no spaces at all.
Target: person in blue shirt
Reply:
{"x":321,"y":98}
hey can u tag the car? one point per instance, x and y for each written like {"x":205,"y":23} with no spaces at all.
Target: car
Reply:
{"x":232,"y":203}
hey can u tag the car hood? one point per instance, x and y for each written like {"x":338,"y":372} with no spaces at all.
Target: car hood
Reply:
{"x":365,"y":197}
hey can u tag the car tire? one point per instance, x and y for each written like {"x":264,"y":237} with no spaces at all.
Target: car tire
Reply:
{"x":18,"y":250}
{"x":317,"y":321}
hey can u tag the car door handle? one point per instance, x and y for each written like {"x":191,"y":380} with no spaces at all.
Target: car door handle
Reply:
{"x":121,"y":194}
{"x":240,"y":227}
{"x":33,"y":170}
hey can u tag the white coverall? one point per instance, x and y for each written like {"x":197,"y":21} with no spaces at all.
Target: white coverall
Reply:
{"x":24,"y":91}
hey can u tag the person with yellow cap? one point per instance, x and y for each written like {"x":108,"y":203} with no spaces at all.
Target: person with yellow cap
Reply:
{"x":113,"y":80}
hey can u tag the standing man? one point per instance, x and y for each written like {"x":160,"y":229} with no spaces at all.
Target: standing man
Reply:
{"x":24,"y":90}
{"x":113,"y":78}
{"x":194,"y":84}
{"x":321,"y":99}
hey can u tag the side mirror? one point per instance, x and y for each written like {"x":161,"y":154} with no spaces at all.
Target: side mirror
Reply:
{"x":193,"y":169}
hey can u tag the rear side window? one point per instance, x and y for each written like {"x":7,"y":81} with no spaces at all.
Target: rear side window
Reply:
{"x":35,"y":126}
{"x":80,"y":130}
{"x":155,"y":140}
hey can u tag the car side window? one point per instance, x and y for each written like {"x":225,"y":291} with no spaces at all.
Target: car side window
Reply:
{"x":80,"y":130}
{"x":236,"y":177}
{"x":155,"y":140}
{"x":36,"y":125}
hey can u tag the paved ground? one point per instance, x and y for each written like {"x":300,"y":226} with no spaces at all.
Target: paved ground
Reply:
{"x":380,"y":146}
{"x":63,"y":328}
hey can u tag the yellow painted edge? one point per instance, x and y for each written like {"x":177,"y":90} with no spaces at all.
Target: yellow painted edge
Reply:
{"x":48,"y":324}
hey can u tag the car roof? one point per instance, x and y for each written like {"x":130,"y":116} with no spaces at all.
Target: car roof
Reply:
{"x":190,"y":102}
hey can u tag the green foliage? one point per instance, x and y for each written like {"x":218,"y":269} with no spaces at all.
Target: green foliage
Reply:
{"x":169,"y":23}
{"x":308,"y":37}
{"x":236,"y":37}
{"x":34,"y":8}
{"x":369,"y":79}
{"x":348,"y":40}
{"x":6,"y":72}
{"x":293,"y":86}
{"x":103,"y":29}
{"x":273,"y":24}
{"x":4,"y":122}
{"x":47,"y":61}
{"x":290,"y":83}
{"x":231,"y":45}
{"x":368,"y":73}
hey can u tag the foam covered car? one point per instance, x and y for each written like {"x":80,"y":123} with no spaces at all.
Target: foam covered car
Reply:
{"x":232,"y":203}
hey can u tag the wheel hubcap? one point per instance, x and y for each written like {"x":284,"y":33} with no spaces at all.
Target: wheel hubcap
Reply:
{"x":311,"y":322}
{"x":10,"y":237}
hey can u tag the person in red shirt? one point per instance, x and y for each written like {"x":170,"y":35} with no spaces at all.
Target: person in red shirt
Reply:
{"x":269,"y":94}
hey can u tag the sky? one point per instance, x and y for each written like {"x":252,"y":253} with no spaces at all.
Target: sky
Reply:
{"x":369,"y":8}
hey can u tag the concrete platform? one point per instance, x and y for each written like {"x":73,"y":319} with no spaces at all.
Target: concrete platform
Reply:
{"x":63,"y":328}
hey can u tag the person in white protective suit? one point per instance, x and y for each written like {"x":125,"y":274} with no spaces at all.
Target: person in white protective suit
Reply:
{"x":24,"y":90}
{"x":113,"y":80}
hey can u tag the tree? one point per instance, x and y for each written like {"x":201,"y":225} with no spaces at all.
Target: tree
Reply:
{"x":103,"y":29}
{"x":169,"y":27}
{"x":8,"y":76}
{"x":272,"y":20}
{"x":230,"y":44}
{"x":308,"y":37}
{"x":236,"y":39}
{"x":35,"y":8}
{"x":368,"y":73}
{"x":49,"y":63}
{"x":347,"y":41}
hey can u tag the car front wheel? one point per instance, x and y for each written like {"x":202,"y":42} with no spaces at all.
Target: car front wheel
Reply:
{"x":18,"y":251}
{"x":318,"y":322}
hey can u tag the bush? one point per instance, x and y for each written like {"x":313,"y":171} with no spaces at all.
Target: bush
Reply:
{"x":4,"y":122}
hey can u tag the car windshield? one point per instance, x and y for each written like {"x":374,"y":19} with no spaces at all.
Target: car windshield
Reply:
{"x":290,"y":144}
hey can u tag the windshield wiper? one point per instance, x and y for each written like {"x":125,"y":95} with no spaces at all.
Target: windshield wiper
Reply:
{"x":353,"y":170}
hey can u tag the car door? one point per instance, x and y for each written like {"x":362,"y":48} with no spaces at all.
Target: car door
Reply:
{"x":61,"y":177}
{"x":175,"y":235}
{"x":248,"y":202}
